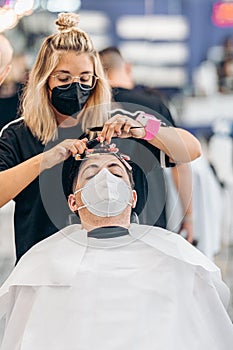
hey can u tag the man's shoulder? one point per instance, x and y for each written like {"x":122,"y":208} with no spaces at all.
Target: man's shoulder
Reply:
{"x":53,"y":261}
{"x":138,"y":99}
{"x":52,"y":243}
{"x":134,"y":96}
{"x":137,"y":94}
{"x":173,"y":245}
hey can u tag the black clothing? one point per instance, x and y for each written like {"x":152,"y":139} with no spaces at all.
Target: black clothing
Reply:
{"x":135,"y":100}
{"x":41,"y":208}
{"x":108,"y":232}
{"x":138,"y":99}
{"x":9,"y":107}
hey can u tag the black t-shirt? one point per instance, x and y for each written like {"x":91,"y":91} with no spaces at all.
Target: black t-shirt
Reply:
{"x":150,"y":158}
{"x":41,"y":208}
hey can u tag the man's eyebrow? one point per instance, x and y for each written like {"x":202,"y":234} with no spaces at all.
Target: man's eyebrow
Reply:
{"x":95,"y":166}
{"x":113,"y":165}
{"x":90,"y":166}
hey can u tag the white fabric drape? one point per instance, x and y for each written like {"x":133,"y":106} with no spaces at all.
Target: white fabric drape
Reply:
{"x":149,"y":290}
{"x":208,"y":207}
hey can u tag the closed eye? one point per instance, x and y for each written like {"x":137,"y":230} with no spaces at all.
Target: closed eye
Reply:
{"x":117,"y":175}
{"x":90,"y":177}
{"x":90,"y":173}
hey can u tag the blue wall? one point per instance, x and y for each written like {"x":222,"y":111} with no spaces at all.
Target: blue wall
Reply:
{"x":203,"y":33}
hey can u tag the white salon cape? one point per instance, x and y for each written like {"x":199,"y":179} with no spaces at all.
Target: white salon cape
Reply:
{"x":149,"y":290}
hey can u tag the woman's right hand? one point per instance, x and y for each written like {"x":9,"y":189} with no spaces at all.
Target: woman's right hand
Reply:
{"x":62,"y":151}
{"x":28,"y":170}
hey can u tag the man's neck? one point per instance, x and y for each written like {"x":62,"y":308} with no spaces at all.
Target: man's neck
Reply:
{"x":121,"y":80}
{"x":124,"y":85}
{"x":89,"y":227}
{"x":98,"y":222}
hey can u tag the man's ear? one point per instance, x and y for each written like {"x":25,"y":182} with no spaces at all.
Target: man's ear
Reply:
{"x":135,"y":197}
{"x":110,"y":75}
{"x":5,"y":73}
{"x":72,"y":203}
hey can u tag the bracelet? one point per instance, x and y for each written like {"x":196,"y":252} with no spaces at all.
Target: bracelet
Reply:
{"x":151,"y":125}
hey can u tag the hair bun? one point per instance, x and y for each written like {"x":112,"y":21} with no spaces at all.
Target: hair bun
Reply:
{"x":67,"y":21}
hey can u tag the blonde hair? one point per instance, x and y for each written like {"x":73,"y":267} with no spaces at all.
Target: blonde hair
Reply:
{"x":36,"y":107}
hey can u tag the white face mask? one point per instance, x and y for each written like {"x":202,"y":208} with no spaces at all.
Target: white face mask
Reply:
{"x":105,"y":194}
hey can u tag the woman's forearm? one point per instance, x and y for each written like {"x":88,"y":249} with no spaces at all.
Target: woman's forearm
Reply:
{"x":14,"y":180}
{"x":179,"y":144}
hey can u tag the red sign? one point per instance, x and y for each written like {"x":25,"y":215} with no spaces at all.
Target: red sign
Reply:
{"x":222,"y":15}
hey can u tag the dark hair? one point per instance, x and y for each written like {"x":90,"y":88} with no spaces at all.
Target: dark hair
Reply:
{"x":111,"y":58}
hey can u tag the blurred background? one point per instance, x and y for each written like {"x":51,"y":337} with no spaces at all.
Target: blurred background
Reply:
{"x":182,"y":49}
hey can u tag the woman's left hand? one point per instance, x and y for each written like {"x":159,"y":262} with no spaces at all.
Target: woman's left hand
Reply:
{"x":122,"y":126}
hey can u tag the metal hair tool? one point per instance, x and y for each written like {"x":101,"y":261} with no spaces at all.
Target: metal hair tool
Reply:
{"x":89,"y":145}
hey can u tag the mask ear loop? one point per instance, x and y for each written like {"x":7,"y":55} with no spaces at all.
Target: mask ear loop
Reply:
{"x":82,"y":207}
{"x":75,"y":192}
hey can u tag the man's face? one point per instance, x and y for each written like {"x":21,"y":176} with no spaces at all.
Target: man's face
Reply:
{"x":98,"y":162}
{"x":91,"y":168}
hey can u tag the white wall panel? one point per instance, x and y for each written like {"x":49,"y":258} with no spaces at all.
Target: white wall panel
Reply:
{"x":153,"y":27}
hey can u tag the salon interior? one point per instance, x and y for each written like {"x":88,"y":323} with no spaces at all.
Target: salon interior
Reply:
{"x":177,"y":48}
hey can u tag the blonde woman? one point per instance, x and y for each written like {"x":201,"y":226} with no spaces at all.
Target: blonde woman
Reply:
{"x":65,"y":96}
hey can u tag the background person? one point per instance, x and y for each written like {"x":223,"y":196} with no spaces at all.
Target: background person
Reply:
{"x":11,"y":90}
{"x":109,"y":284}
{"x":6,"y":53}
{"x":124,"y":91}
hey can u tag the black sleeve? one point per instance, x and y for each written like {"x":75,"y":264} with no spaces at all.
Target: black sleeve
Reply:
{"x":17,"y":144}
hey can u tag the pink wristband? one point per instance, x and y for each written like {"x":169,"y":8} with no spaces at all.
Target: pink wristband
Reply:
{"x":151,"y":125}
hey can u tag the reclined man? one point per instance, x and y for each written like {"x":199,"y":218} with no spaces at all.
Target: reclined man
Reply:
{"x":108,"y":284}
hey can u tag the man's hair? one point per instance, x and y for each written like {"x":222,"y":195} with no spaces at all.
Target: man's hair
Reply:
{"x":111,"y":58}
{"x":36,"y":107}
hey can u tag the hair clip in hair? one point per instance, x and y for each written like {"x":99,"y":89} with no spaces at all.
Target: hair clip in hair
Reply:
{"x":103,"y":149}
{"x":124,"y":159}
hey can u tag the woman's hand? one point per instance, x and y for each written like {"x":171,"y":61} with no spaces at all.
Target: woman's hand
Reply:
{"x":28,"y":170}
{"x":122,"y":126}
{"x":187,"y":227}
{"x":62,"y":151}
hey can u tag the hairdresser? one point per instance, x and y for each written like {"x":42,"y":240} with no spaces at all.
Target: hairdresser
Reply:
{"x":65,"y":97}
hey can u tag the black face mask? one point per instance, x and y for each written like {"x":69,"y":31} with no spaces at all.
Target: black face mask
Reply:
{"x":70,"y":101}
